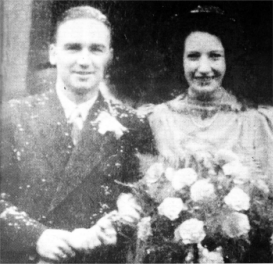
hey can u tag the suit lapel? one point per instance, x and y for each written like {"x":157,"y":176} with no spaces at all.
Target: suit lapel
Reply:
{"x":54,"y":135}
{"x":85,"y":156}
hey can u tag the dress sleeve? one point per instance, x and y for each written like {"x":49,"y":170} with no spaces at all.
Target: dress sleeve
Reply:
{"x":19,"y":232}
{"x":264,"y":141}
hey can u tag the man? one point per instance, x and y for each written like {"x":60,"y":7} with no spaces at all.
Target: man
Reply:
{"x":64,"y":152}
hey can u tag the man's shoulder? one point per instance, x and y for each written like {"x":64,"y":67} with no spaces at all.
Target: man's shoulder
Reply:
{"x":126,"y":114}
{"x":22,"y":109}
{"x":29,"y":102}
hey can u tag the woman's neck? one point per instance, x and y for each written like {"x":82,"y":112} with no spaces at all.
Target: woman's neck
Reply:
{"x":206,"y":98}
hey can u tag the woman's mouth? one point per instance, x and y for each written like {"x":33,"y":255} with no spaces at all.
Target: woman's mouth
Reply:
{"x":204,"y":79}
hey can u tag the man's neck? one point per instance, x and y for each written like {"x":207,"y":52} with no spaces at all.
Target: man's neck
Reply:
{"x":77,"y":97}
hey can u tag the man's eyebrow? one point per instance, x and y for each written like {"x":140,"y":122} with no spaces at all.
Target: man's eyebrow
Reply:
{"x":73,"y":45}
{"x":96,"y":45}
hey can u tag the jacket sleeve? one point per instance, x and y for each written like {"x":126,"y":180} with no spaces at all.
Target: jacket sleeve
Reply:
{"x":19,"y":232}
{"x":138,"y":140}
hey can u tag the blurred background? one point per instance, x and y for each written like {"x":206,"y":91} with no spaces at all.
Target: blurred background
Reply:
{"x":143,"y":70}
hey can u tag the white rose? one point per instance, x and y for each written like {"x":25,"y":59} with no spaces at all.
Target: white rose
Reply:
{"x":202,"y":190}
{"x":171,"y":207}
{"x":128,"y":208}
{"x":183,"y":177}
{"x":261,"y":185}
{"x":169,"y":173}
{"x":215,"y":256}
{"x":235,"y":169}
{"x":236,"y":224}
{"x":144,"y":229}
{"x":224,"y":156}
{"x":190,"y":231}
{"x":154,"y":173}
{"x":237,"y":199}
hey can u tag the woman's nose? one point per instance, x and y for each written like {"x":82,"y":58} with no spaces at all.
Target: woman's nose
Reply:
{"x":204,"y":65}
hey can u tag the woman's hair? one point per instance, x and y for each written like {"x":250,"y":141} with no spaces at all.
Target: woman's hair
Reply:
{"x":215,"y":21}
{"x":81,"y":12}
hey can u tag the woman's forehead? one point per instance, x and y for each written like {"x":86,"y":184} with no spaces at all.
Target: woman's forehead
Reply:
{"x":203,"y":40}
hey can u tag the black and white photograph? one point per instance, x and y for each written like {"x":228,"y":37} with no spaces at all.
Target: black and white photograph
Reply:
{"x":136,"y":131}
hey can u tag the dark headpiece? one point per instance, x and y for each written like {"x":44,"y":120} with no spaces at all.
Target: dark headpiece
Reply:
{"x":210,"y":10}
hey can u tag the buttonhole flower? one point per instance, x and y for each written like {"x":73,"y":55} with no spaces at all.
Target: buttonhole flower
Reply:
{"x":108,"y":123}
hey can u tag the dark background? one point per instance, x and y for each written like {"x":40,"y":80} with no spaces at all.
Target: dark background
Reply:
{"x":142,"y":70}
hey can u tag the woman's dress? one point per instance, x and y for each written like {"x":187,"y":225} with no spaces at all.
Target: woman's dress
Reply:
{"x":182,"y":132}
{"x":247,"y":131}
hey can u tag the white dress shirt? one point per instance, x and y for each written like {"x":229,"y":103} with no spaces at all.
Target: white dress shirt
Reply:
{"x":76,"y":114}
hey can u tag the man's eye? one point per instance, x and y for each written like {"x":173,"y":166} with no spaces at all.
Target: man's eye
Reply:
{"x":97,"y":49}
{"x":73,"y":47}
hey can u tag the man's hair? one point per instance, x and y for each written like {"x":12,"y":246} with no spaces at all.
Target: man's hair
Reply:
{"x":81,"y":12}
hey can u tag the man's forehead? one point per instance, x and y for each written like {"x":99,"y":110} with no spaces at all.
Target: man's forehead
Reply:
{"x":83,"y":30}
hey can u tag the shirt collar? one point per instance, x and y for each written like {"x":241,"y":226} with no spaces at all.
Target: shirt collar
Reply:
{"x":69,"y":106}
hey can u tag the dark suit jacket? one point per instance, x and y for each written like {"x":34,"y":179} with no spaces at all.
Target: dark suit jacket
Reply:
{"x":46,"y":182}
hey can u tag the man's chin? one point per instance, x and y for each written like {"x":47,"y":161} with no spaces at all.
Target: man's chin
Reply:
{"x":84,"y":89}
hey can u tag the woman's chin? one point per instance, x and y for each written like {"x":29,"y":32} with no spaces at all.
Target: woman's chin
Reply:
{"x":206,"y":91}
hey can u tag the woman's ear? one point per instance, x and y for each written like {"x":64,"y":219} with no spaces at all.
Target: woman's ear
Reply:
{"x":52,"y":54}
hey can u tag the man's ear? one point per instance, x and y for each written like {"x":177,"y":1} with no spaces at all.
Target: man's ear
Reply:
{"x":111,"y":56}
{"x":52,"y":54}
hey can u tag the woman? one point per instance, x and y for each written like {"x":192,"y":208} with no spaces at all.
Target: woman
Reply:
{"x":209,"y":117}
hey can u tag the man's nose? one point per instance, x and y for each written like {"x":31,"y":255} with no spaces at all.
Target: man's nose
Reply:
{"x":204,"y":65}
{"x":85,"y":58}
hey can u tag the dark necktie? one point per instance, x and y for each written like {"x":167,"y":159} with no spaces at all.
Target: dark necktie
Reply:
{"x":77,"y":124}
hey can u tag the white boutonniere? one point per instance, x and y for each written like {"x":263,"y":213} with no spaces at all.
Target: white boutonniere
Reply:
{"x":108,"y":123}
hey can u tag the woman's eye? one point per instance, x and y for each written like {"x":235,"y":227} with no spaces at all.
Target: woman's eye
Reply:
{"x":215,"y":56}
{"x":193,"y":56}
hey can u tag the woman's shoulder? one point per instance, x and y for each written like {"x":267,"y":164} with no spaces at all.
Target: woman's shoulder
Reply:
{"x":260,"y":117}
{"x":266,"y":111}
{"x":176,"y":105}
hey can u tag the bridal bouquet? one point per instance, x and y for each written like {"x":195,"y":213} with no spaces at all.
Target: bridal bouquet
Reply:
{"x":211,"y":210}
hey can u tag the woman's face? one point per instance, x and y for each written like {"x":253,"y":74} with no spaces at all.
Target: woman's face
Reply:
{"x":204,"y":62}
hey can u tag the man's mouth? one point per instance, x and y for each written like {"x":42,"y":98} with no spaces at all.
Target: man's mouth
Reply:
{"x":83,"y":73}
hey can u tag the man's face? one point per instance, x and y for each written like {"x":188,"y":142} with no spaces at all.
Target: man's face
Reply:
{"x":81,"y":54}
